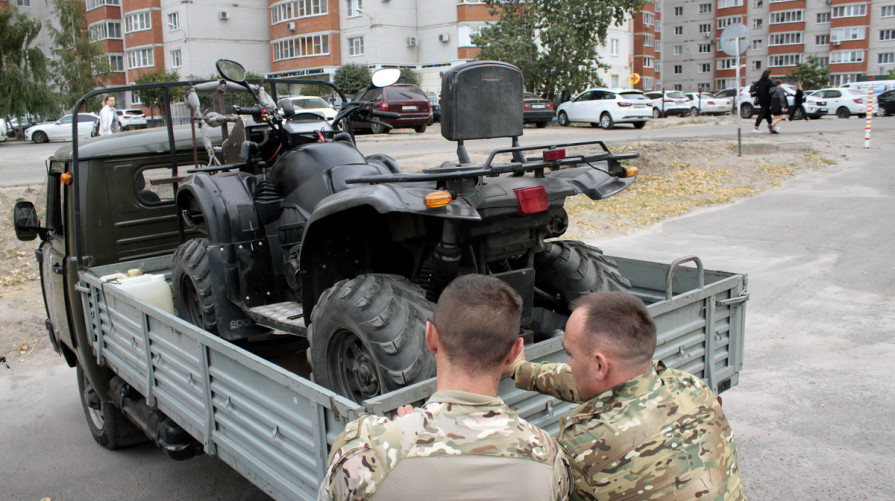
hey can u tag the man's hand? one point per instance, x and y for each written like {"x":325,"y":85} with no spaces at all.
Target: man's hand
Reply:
{"x":404,"y":410}
{"x":510,"y":368}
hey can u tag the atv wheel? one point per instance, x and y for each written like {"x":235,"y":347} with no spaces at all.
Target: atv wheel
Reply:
{"x":193,"y":294}
{"x":40,"y":137}
{"x":570,"y":269}
{"x":367,"y":336}
{"x":108,"y":425}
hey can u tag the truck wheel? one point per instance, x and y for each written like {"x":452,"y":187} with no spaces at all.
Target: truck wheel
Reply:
{"x":569,"y":269}
{"x":193,"y":294}
{"x":108,"y":425}
{"x":367,"y":336}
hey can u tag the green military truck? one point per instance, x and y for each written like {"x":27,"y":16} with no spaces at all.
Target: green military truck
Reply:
{"x":108,"y":237}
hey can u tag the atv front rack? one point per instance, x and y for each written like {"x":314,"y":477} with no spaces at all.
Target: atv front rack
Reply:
{"x":491,"y":169}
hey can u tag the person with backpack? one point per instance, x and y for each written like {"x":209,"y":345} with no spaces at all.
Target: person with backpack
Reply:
{"x":763,"y":95}
{"x":778,"y":105}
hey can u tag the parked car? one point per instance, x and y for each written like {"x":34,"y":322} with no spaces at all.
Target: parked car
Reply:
{"x":131,"y":119}
{"x":60,"y":130}
{"x":310,"y":104}
{"x":536,"y":110}
{"x":407,"y":100}
{"x":3,"y":130}
{"x":435,"y":107}
{"x":749,"y":105}
{"x":886,"y":103}
{"x":704,"y":103}
{"x":842,"y":102}
{"x":605,"y":108}
{"x":669,"y":102}
{"x":815,"y":106}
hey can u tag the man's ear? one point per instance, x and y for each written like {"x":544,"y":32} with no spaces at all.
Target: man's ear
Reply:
{"x":431,"y":338}
{"x":601,"y":372}
{"x":517,"y":348}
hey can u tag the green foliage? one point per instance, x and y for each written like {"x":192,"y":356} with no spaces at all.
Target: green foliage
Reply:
{"x":409,"y":76}
{"x":811,"y":74}
{"x":352,"y":77}
{"x":569,"y":31}
{"x":892,"y":74}
{"x":155,"y":98}
{"x":81,"y":65}
{"x":24,"y":75}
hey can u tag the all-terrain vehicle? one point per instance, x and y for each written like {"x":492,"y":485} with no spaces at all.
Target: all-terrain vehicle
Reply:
{"x":308,"y":236}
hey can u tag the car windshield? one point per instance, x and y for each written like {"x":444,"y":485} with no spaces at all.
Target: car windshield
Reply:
{"x":854,"y":92}
{"x":675,"y":95}
{"x":632,"y":95}
{"x":134,"y":112}
{"x":406,"y":93}
{"x":529,"y":95}
{"x":309,"y":102}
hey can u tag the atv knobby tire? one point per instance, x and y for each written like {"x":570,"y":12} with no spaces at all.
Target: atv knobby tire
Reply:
{"x":569,"y":269}
{"x":108,"y":425}
{"x":193,"y":288}
{"x":367,"y":336}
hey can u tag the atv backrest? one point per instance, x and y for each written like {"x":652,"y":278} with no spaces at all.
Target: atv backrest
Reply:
{"x":481,"y":100}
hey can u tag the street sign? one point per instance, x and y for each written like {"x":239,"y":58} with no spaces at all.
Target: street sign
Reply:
{"x":634,"y":78}
{"x":735,"y":39}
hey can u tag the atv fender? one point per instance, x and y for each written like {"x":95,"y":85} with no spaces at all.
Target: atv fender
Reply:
{"x":217,"y":199}
{"x":593,"y":183}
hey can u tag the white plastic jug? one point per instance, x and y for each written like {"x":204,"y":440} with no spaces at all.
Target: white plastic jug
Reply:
{"x":150,"y":288}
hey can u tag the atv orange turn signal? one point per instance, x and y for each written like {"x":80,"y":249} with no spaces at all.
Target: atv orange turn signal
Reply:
{"x":438,"y":199}
{"x":630,"y":171}
{"x":531,"y":200}
{"x":65,"y":177}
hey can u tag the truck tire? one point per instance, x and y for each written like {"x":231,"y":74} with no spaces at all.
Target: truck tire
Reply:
{"x":108,"y":425}
{"x":192,"y":279}
{"x":569,"y":269}
{"x":367,"y":336}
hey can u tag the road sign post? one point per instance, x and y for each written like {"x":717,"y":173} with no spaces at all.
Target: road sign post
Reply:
{"x":735,"y":39}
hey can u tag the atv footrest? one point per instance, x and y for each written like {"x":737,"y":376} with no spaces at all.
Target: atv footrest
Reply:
{"x":287,"y":317}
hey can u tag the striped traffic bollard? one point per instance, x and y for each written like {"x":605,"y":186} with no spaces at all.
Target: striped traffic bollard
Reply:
{"x":869,"y":121}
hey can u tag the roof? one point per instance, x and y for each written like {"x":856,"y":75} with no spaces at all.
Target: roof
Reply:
{"x":143,"y":141}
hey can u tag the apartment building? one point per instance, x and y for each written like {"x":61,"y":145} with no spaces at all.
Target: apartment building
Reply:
{"x":852,"y":37}
{"x":647,"y":38}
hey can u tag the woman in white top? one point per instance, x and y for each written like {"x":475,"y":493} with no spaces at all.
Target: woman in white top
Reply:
{"x":108,"y":117}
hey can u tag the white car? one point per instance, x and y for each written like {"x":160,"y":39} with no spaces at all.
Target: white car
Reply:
{"x":310,"y":104}
{"x":3,"y":130}
{"x":842,"y":102}
{"x":669,"y":102}
{"x":131,"y":119}
{"x":749,"y":107}
{"x":605,"y":108}
{"x":703,"y":103}
{"x":60,"y":130}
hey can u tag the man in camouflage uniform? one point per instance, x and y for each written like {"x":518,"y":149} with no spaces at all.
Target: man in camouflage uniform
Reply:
{"x":464,"y":443}
{"x":643,"y":432}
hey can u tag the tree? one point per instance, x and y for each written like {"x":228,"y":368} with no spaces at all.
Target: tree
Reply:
{"x":24,"y":76}
{"x":409,"y":76}
{"x":554,"y":42}
{"x":892,"y":74}
{"x":352,"y":77}
{"x":155,"y":98}
{"x":811,"y":74}
{"x":81,"y":65}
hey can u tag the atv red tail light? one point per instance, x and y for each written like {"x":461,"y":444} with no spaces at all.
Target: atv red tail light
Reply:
{"x":531,"y":200}
{"x":551,"y":155}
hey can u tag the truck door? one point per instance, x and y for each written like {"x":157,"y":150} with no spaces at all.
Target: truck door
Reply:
{"x":52,"y":268}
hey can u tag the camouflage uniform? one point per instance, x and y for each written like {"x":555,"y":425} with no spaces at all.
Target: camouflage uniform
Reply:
{"x":661,"y":435}
{"x":459,"y":445}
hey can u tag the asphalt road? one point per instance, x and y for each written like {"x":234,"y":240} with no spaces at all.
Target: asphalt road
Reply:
{"x":812,"y":413}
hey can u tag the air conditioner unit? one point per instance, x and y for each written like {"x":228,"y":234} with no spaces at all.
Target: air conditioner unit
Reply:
{"x":836,"y":43}
{"x":223,"y":15}
{"x":444,"y":38}
{"x":290,"y":26}
{"x":411,"y":41}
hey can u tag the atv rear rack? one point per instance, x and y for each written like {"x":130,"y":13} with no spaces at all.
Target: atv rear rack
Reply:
{"x":491,"y":169}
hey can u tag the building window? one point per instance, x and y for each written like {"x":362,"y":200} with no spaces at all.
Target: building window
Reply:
{"x":724,"y":83}
{"x":704,"y":87}
{"x":135,"y":99}
{"x":724,"y":22}
{"x":355,"y":7}
{"x":139,"y":58}
{"x":306,"y":46}
{"x":822,"y":40}
{"x":116,"y":63}
{"x":705,"y":8}
{"x":174,"y":21}
{"x":728,"y":63}
{"x":678,"y":30}
{"x":756,"y":44}
{"x":757,"y":23}
{"x":614,"y":81}
{"x":657,"y":46}
{"x":885,"y":58}
{"x":647,"y":62}
{"x":93,"y":4}
{"x":784,"y":60}
{"x":658,"y":4}
{"x":724,"y":4}
{"x":851,"y":10}
{"x":705,"y":28}
{"x":823,"y":18}
{"x":139,"y":21}
{"x":757,"y":4}
{"x":705,"y":48}
{"x":787,"y":16}
{"x":648,"y":83}
{"x":678,"y":87}
{"x":288,"y":11}
{"x":846,"y":56}
{"x":886,"y":35}
{"x":850,"y":33}
{"x":678,"y":69}
{"x":756,"y":65}
{"x":790,"y":38}
{"x":678,"y":11}
{"x":823,"y":61}
{"x":647,"y":40}
{"x":105,"y":30}
{"x":356,"y":46}
{"x":705,"y":68}
{"x":176,"y":60}
{"x":887,"y":11}
{"x":648,"y":19}
{"x":678,"y":50}
{"x":613,"y":46}
{"x":23,"y":3}
{"x":843,"y":78}
{"x":658,"y":27}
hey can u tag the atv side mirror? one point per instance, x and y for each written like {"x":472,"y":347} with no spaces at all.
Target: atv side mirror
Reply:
{"x":231,"y":70}
{"x":386,"y":77}
{"x":288,"y":107}
{"x":24,"y":219}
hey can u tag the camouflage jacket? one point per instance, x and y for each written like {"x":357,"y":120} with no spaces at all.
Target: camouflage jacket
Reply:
{"x":457,"y":446}
{"x":659,"y":436}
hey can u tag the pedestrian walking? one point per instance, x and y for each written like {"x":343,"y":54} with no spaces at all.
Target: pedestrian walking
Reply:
{"x":763,"y":94}
{"x":108,"y":117}
{"x":798,"y":104}
{"x":778,"y":105}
